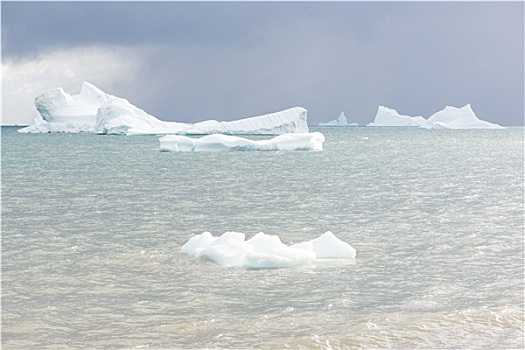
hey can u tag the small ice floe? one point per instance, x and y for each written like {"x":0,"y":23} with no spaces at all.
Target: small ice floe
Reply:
{"x":265,"y":251}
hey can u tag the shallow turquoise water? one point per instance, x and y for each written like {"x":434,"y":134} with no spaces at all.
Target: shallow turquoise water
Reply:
{"x":92,"y":227}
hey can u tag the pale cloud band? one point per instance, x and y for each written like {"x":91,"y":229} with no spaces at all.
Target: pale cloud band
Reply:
{"x":24,"y":79}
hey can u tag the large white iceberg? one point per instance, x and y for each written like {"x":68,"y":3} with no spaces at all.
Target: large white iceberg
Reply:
{"x":57,"y":106}
{"x":447,"y":118}
{"x":457,"y":118}
{"x":390,"y":117}
{"x":340,"y":121}
{"x":94,"y":111}
{"x":265,"y":251}
{"x":217,"y":142}
{"x":58,"y":111}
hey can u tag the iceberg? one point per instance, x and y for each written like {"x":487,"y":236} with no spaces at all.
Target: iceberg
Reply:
{"x":447,"y":118}
{"x":265,"y":251}
{"x":118,"y":116}
{"x":57,"y":106}
{"x":340,"y":121}
{"x":457,"y":118}
{"x":390,"y":117}
{"x":218,"y":142}
{"x":58,"y":111}
{"x":94,"y":111}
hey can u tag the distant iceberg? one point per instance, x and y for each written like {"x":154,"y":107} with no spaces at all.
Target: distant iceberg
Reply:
{"x":390,"y":117}
{"x":341,"y":121}
{"x":94,"y":111}
{"x":217,"y":142}
{"x":265,"y":251}
{"x":447,"y":118}
{"x":457,"y":118}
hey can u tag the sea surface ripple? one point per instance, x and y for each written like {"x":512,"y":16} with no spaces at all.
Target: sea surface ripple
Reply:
{"x":92,"y":227}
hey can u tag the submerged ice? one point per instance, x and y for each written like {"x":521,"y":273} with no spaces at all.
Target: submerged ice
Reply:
{"x":213,"y":143}
{"x":265,"y":251}
{"x":94,"y":111}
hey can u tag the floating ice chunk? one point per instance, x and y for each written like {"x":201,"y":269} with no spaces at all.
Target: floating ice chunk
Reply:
{"x":298,"y":256}
{"x":308,"y":246}
{"x":265,"y":243}
{"x":265,"y":251}
{"x":340,"y":121}
{"x":390,"y":117}
{"x":270,"y":252}
{"x":260,"y":260}
{"x":227,"y":254}
{"x":228,"y":250}
{"x":230,"y":237}
{"x":214,"y":143}
{"x":197,"y":242}
{"x":457,"y":118}
{"x":306,"y":141}
{"x":328,"y":246}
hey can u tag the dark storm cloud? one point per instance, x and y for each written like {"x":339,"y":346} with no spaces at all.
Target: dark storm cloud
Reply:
{"x":32,"y":26}
{"x":231,"y":60}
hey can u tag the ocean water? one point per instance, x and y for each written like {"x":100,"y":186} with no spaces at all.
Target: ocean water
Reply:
{"x":92,"y":227}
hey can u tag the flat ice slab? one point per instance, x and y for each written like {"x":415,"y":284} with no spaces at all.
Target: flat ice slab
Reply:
{"x":265,"y":251}
{"x":94,"y":111}
{"x":214,"y":143}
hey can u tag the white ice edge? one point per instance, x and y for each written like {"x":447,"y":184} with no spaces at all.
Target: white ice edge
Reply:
{"x":217,"y":142}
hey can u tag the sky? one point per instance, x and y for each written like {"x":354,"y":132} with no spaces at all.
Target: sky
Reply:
{"x":194,"y":61}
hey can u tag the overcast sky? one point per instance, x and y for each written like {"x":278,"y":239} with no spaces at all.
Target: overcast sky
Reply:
{"x":192,"y":61}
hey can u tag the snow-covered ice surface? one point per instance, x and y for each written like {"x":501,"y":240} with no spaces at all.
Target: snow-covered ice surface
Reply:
{"x":340,"y":121}
{"x":265,"y":251}
{"x":447,"y":118}
{"x":217,"y":142}
{"x":93,"y":111}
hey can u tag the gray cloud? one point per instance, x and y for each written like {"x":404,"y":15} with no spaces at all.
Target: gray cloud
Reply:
{"x":231,"y":60}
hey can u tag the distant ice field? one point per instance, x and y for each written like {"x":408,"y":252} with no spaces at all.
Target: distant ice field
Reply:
{"x":92,"y":229}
